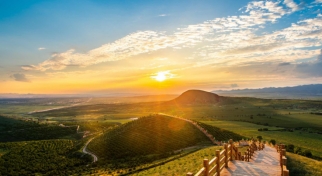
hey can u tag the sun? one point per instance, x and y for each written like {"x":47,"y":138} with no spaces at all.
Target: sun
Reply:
{"x":161,"y":76}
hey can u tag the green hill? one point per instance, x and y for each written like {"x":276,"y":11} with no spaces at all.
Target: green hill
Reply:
{"x":192,"y":97}
{"x":153,"y":136}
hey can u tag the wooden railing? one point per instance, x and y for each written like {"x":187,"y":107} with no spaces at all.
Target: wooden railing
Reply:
{"x":283,"y":160}
{"x":230,"y":153}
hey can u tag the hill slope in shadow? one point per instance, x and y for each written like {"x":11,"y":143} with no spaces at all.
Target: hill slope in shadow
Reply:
{"x":153,"y":135}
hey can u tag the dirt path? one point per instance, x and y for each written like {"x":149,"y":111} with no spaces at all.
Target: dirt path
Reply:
{"x":196,"y":125}
{"x":90,"y":153}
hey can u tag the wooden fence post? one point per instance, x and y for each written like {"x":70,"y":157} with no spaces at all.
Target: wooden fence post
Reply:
{"x":231,"y":149}
{"x":206,"y":166}
{"x":226,"y":155}
{"x":218,"y":162}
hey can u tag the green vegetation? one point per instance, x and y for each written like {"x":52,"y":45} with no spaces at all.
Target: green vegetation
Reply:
{"x":18,"y":130}
{"x":303,"y":166}
{"x":137,"y":144}
{"x":55,"y":157}
{"x":189,"y":163}
{"x":221,"y":134}
{"x":153,"y":137}
{"x":299,"y":138}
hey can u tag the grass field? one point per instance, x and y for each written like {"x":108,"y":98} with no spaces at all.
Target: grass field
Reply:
{"x":190,"y":163}
{"x":299,"y":138}
{"x":302,"y":166}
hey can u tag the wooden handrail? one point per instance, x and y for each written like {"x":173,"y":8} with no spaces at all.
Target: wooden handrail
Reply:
{"x":215,"y":165}
{"x":230,"y":153}
{"x":283,"y":160}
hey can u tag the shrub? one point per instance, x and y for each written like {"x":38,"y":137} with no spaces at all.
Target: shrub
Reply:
{"x":259,"y":138}
{"x":307,"y":153}
{"x":290,"y":148}
{"x":272,"y":141}
{"x":298,"y":150}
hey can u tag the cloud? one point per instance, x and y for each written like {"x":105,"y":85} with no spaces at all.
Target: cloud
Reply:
{"x":20,"y":77}
{"x":318,"y":1}
{"x":234,"y":85}
{"x":291,"y":4}
{"x":284,"y":64}
{"x":163,"y":15}
{"x":41,"y":48}
{"x":311,"y":69}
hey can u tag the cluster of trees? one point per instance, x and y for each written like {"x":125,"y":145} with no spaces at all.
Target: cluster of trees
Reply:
{"x":298,"y":150}
{"x":20,"y":130}
{"x":263,"y":129}
{"x":38,"y":132}
{"x":51,"y":157}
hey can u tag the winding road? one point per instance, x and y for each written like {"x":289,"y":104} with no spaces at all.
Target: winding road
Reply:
{"x":90,"y":153}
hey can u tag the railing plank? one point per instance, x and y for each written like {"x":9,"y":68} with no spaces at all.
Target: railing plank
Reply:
{"x":221,"y":168}
{"x":213,"y":170}
{"x":200,"y":172}
{"x":222,"y":160}
{"x":214,"y":160}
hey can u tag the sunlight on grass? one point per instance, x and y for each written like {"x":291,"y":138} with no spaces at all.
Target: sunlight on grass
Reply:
{"x":190,"y":163}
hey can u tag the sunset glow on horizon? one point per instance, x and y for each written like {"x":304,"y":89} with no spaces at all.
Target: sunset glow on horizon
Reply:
{"x":153,"y":47}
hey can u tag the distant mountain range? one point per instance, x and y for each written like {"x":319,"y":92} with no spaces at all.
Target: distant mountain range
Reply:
{"x":313,"y":91}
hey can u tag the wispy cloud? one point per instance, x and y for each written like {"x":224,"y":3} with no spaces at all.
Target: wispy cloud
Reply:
{"x":41,"y":48}
{"x":227,"y":39}
{"x":291,"y":4}
{"x":234,"y":85}
{"x":163,"y":15}
{"x":20,"y":77}
{"x":311,"y":68}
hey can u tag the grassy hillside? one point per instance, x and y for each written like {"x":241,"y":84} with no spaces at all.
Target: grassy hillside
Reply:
{"x":221,"y":134}
{"x":181,"y":166}
{"x":302,"y":166}
{"x":153,"y":136}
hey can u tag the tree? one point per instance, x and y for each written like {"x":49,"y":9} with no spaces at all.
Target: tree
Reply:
{"x":259,"y":138}
{"x":307,"y":153}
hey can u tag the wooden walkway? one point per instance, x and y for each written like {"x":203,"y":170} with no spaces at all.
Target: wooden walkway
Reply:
{"x":263,"y":163}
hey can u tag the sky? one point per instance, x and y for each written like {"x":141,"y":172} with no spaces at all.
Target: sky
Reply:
{"x":157,"y":47}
